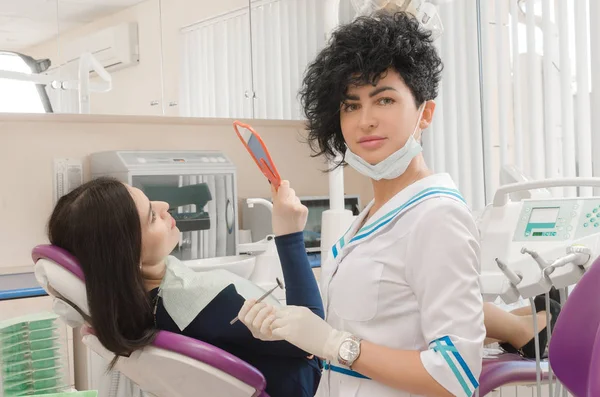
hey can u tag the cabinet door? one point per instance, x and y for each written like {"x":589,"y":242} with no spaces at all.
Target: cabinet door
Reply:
{"x":216,"y":67}
{"x":286,"y":37}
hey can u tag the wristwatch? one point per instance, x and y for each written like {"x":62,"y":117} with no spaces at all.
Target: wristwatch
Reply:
{"x":349,"y":351}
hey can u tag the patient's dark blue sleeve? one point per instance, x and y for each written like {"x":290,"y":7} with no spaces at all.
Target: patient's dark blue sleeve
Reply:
{"x":301,"y":288}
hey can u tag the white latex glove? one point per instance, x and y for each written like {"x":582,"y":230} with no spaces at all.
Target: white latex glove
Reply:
{"x":289,"y":215}
{"x":258,"y":319}
{"x":309,"y":332}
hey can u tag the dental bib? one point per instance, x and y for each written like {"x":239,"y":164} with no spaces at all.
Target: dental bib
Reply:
{"x":185,"y":292}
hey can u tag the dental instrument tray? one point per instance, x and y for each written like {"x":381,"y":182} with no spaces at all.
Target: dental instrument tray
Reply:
{"x":192,"y":195}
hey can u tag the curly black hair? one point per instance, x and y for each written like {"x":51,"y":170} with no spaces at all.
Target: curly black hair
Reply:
{"x":360,"y":53}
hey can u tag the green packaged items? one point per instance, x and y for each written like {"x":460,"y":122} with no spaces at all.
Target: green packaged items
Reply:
{"x":30,"y":356}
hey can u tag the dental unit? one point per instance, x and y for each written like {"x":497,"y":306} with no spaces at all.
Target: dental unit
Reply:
{"x":529,"y":246}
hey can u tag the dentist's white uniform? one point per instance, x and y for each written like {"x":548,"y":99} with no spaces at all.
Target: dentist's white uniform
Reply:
{"x":408,"y":280}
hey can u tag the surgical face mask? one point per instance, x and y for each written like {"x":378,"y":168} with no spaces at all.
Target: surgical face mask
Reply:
{"x":394,"y":165}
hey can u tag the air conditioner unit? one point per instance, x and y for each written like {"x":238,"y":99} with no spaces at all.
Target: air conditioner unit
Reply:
{"x":115,"y":48}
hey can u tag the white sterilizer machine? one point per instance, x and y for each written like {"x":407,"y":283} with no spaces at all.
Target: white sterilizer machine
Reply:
{"x":200,"y":187}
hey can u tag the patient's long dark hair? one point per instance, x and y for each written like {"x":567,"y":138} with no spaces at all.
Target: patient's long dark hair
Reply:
{"x":99,"y":224}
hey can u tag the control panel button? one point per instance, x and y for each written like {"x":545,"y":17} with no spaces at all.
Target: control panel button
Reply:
{"x":586,"y":224}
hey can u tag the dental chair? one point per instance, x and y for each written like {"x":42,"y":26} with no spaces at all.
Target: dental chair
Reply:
{"x":173,"y":366}
{"x":574,"y":349}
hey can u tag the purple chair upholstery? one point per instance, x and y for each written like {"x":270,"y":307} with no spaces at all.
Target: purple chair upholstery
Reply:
{"x":574,"y":349}
{"x":506,"y":369}
{"x":169,"y":341}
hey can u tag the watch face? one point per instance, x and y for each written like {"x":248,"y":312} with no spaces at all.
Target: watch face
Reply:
{"x":349,"y":350}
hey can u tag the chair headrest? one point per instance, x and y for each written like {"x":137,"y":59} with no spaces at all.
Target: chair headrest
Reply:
{"x":59,"y":273}
{"x":58,"y":256}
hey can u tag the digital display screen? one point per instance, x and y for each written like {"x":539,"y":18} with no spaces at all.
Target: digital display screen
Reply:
{"x":543,"y":234}
{"x":544,"y":215}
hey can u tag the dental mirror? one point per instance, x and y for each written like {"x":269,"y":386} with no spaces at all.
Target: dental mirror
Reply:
{"x":259,"y":152}
{"x":269,"y":292}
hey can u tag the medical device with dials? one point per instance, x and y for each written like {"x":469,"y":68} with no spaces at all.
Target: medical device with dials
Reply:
{"x":531,"y":245}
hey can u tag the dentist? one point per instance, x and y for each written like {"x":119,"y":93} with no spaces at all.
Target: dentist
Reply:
{"x":404,"y":314}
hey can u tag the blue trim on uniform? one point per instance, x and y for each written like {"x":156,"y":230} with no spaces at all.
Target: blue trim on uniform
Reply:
{"x":423,"y":193}
{"x":442,"y":350}
{"x":409,"y":201}
{"x":462,"y":362}
{"x":341,"y":242}
{"x":387,"y":218}
{"x":379,"y":224}
{"x":22,"y":293}
{"x":344,"y":371}
{"x":449,"y":347}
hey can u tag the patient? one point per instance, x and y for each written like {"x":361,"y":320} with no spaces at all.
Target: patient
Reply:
{"x":514,"y":330}
{"x":122,"y":242}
